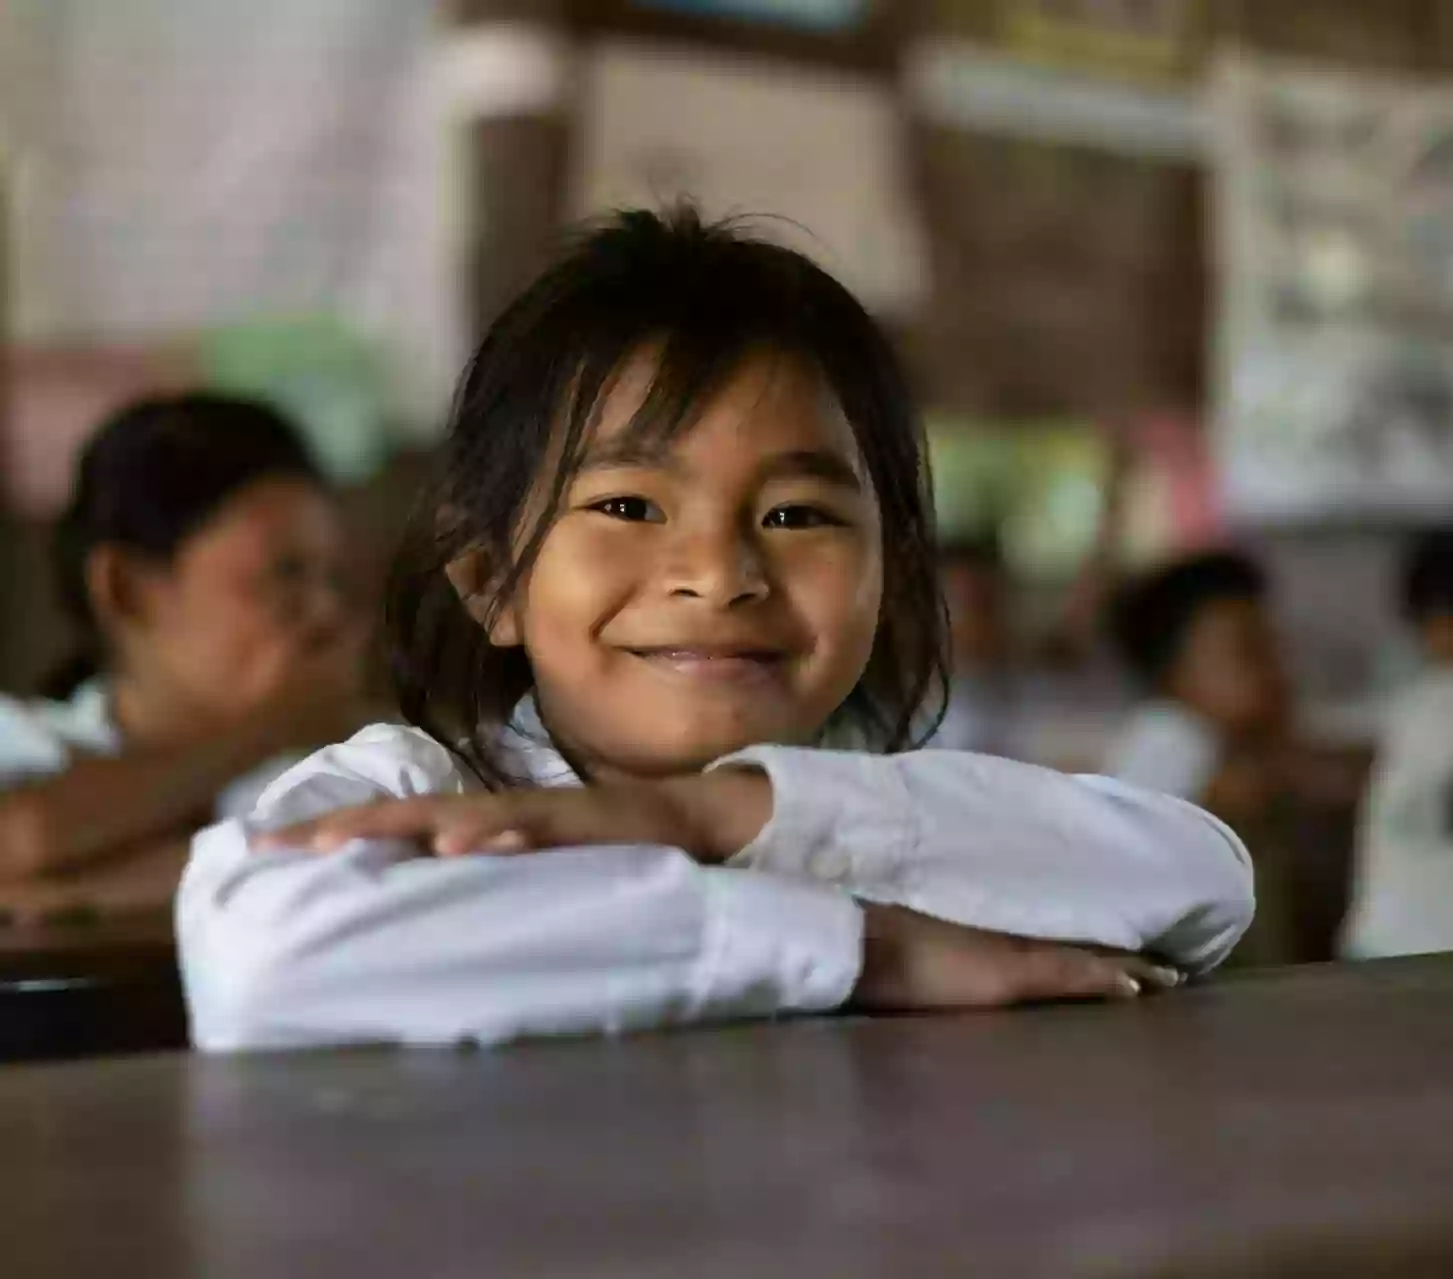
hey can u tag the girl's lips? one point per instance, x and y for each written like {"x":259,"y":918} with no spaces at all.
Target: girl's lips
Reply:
{"x":714,"y":665}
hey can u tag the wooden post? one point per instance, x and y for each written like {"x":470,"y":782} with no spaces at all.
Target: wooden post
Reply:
{"x":516,"y":158}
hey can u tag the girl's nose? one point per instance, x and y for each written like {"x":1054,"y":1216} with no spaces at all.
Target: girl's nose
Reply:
{"x":723,"y":567}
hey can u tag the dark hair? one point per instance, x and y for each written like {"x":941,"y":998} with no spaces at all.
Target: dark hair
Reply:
{"x":149,"y":478}
{"x":983,"y":552}
{"x":1427,"y":576}
{"x":704,"y":298}
{"x":1152,"y":616}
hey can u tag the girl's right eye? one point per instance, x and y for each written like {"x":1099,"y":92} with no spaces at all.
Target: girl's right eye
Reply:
{"x":634,"y":510}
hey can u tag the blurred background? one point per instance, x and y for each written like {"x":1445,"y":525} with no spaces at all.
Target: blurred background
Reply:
{"x":1166,"y":272}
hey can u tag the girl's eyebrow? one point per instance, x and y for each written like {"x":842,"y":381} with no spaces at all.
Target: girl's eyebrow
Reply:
{"x":615,"y":454}
{"x":817,"y":464}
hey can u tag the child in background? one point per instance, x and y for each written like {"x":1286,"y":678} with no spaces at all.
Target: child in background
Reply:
{"x":1197,"y":637}
{"x":1403,"y":888}
{"x":1218,"y":730}
{"x":678,"y":544}
{"x":202,"y":558}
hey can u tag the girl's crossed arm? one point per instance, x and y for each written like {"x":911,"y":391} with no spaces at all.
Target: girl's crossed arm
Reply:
{"x":372,"y":942}
{"x":970,"y":839}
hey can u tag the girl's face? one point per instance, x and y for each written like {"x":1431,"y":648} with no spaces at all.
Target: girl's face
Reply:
{"x":717,"y":591}
{"x":246,"y":598}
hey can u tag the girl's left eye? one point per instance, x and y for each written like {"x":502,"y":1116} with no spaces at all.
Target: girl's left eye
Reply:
{"x":634,"y":510}
{"x":800,"y":516}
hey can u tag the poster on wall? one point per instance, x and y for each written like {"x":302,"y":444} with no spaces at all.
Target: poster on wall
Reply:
{"x":812,"y":157}
{"x":188,"y":164}
{"x":1334,"y":239}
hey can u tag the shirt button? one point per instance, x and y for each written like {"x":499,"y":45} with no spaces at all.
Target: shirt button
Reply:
{"x":832,"y":864}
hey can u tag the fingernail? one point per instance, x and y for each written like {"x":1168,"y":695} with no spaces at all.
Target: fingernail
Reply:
{"x":507,"y":841}
{"x":1166,"y":978}
{"x":1126,"y":987}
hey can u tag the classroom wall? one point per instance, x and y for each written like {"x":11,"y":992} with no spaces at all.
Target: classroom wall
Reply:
{"x":1061,"y":279}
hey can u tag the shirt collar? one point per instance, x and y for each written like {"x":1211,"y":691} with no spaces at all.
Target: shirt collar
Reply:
{"x":528,"y":742}
{"x":88,"y":717}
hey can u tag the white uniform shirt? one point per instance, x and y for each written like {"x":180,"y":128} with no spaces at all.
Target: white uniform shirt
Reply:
{"x":373,"y":942}
{"x":40,"y":739}
{"x":1402,"y":900}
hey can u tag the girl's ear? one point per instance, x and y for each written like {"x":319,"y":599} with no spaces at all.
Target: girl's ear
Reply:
{"x":471,"y":579}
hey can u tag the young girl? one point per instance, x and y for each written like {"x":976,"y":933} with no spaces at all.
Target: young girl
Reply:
{"x":679,"y":544}
{"x":201,"y":557}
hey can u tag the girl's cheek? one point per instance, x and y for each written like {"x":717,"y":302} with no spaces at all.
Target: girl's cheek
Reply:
{"x":847,"y":572}
{"x":595,"y":549}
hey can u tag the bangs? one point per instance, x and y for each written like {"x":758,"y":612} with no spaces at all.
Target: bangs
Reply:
{"x":671,"y":381}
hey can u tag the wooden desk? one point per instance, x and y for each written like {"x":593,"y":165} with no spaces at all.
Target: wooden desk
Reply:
{"x":87,"y":960}
{"x":100,"y":986}
{"x":1276,"y":1125}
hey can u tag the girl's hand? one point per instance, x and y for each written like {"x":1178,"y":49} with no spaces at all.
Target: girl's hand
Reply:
{"x":914,"y":962}
{"x":911,"y":961}
{"x":710,"y":818}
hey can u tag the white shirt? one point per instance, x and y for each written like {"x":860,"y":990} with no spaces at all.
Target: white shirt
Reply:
{"x":1167,"y":748}
{"x":375,"y":943}
{"x":40,"y":739}
{"x":1403,"y":884}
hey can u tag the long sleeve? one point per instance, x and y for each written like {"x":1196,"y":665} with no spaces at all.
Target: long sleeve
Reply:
{"x":39,"y":739}
{"x":1008,"y":847}
{"x":372,"y":943}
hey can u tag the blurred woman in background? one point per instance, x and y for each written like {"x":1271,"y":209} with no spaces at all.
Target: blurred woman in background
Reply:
{"x":202,"y":558}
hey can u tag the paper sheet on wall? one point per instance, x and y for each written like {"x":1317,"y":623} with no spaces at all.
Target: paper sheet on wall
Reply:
{"x":1334,"y":383}
{"x":739,"y":137}
{"x":188,"y":164}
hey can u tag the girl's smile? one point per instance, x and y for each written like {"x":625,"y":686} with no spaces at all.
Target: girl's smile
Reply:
{"x":715,"y":664}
